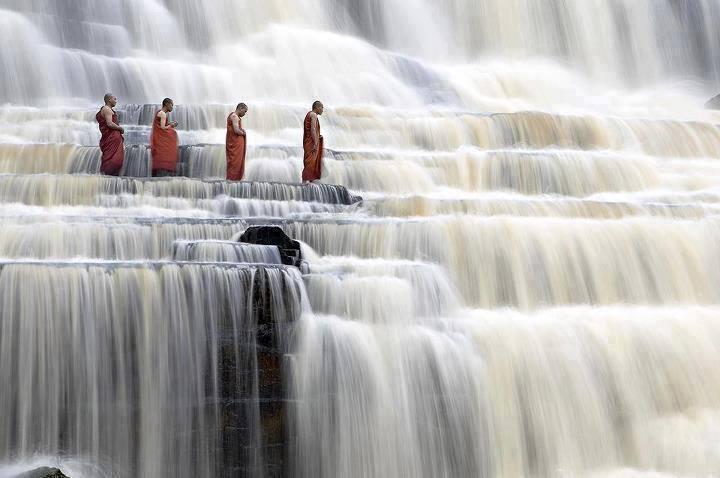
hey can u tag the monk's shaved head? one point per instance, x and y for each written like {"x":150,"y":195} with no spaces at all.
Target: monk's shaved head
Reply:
{"x":110,"y":100}
{"x":318,"y":107}
{"x":168,"y":104}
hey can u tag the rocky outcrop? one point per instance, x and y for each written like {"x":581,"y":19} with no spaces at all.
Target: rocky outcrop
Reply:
{"x":290,"y":252}
{"x":44,"y":472}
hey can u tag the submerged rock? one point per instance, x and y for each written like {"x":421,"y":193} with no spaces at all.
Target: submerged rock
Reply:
{"x":44,"y":472}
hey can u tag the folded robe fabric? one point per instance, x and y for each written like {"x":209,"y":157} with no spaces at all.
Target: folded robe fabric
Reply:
{"x":163,"y":146}
{"x":235,"y":151}
{"x":312,"y":160}
{"x":112,"y":146}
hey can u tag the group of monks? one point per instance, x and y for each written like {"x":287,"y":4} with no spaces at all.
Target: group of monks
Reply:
{"x":164,"y":141}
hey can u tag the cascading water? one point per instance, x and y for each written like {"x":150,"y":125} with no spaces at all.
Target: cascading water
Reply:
{"x":99,"y":356}
{"x":526,"y":290}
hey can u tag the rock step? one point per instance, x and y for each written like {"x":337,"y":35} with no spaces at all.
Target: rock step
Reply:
{"x":427,"y":130}
{"x":226,"y":251}
{"x":49,"y":190}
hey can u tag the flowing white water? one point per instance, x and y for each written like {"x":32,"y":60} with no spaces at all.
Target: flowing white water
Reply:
{"x":527,"y":290}
{"x":226,"y":251}
{"x":99,"y":356}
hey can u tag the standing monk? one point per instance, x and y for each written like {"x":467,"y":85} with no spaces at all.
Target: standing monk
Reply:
{"x":236,"y":144}
{"x":312,"y":144}
{"x":112,"y":143}
{"x":164,"y":142}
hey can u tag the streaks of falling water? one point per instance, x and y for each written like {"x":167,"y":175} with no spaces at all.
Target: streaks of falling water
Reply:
{"x":520,"y":262}
{"x":560,"y":393}
{"x":531,"y":262}
{"x":226,"y":251}
{"x":633,"y":40}
{"x":48,"y":190}
{"x":99,"y":356}
{"x":527,"y":290}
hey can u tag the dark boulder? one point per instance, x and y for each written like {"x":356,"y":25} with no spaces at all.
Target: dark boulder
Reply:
{"x":44,"y":472}
{"x":290,"y":252}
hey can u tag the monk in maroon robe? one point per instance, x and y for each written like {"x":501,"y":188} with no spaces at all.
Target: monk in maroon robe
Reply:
{"x":236,"y":144}
{"x":164,"y":141}
{"x":112,"y":143}
{"x":312,"y":144}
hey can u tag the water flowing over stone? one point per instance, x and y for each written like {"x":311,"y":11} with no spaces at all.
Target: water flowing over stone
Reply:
{"x":226,"y":251}
{"x":150,"y":371}
{"x":509,"y":268}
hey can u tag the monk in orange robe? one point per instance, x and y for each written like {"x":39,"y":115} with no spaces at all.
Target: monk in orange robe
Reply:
{"x":164,"y":141}
{"x":236,"y":144}
{"x":312,"y":144}
{"x":112,"y":143}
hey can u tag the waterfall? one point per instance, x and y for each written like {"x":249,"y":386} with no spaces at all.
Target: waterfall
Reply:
{"x":113,"y":353}
{"x":508,"y":394}
{"x":509,"y":267}
{"x":226,"y":251}
{"x":641,"y":41}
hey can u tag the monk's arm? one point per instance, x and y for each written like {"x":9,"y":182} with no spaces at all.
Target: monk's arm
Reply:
{"x":314,"y":131}
{"x":107,"y":114}
{"x":163,"y":121}
{"x":236,"y":125}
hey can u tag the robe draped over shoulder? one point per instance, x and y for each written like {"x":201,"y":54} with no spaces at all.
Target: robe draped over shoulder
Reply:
{"x":235,"y":151}
{"x":312,"y":160}
{"x":163,"y":147}
{"x":112,"y":146}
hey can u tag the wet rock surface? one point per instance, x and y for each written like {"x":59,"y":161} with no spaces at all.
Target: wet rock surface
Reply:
{"x":44,"y":472}
{"x":290,"y":251}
